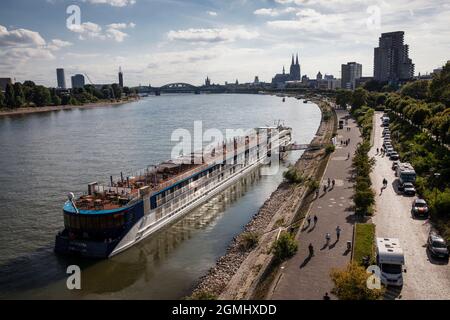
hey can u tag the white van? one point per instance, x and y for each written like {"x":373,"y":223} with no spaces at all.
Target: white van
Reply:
{"x":390,"y":260}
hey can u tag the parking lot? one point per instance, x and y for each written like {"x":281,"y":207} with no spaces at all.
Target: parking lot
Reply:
{"x":425,"y":277}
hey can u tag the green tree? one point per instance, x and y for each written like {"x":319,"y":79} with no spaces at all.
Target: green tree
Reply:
{"x":117,"y":90}
{"x":285,"y":247}
{"x":56,"y":101}
{"x":343,"y":97}
{"x":41,"y":96}
{"x":440,"y":86}
{"x":19,"y":97}
{"x":417,"y":89}
{"x":359,"y":98}
{"x":10,"y":100}
{"x":2,"y":99}
{"x":350,"y":283}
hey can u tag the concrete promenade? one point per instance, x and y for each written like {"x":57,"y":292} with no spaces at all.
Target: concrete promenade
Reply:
{"x":309,"y":278}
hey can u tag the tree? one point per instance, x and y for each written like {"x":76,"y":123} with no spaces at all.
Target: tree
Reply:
{"x":417,"y":89}
{"x":2,"y":99}
{"x":56,"y":101}
{"x":117,"y":90}
{"x":373,"y":85}
{"x":41,"y":96}
{"x":359,"y":98}
{"x":440,"y":86}
{"x":285,"y":247}
{"x":350,"y":283}
{"x":10,"y":96}
{"x":343,"y":97}
{"x":19,"y":97}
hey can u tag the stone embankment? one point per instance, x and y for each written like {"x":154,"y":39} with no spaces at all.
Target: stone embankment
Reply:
{"x":237,"y":273}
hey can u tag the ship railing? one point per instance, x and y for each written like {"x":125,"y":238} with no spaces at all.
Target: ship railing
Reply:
{"x":109,"y":189}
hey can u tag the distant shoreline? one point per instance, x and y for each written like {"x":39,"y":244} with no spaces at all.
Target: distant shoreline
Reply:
{"x":29,"y":110}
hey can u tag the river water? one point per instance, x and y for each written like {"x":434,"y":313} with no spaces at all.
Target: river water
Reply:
{"x":44,"y":156}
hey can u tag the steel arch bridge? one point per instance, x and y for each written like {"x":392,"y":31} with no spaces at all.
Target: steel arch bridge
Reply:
{"x":178,"y":86}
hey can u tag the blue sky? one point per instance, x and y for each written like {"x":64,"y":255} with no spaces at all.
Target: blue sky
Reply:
{"x":163,"y":41}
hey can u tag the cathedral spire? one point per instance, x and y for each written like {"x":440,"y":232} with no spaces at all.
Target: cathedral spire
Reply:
{"x":296,"y":59}
{"x":292,"y":63}
{"x":283,"y":69}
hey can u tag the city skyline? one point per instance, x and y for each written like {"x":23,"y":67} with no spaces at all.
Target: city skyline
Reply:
{"x":153,"y":43}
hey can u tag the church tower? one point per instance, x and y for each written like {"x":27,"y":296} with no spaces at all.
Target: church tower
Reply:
{"x":295,"y":69}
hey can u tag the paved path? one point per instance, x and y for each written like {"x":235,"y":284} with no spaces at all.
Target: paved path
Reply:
{"x":425,"y":278}
{"x":303,"y":278}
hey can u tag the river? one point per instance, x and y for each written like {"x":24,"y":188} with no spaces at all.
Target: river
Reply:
{"x":44,"y":156}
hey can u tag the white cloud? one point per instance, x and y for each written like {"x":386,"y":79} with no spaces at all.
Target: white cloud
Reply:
{"x":19,"y":37}
{"x":212,"y":13}
{"x":114,"y":3}
{"x":57,"y":44}
{"x":94,"y":31}
{"x":272,"y":12}
{"x":121,"y":25}
{"x":212,"y":35}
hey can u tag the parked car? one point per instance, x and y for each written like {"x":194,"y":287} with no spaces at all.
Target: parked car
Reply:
{"x":394,"y":156}
{"x":387,"y":144}
{"x":408,"y":189}
{"x":420,"y":208}
{"x":389,"y":151}
{"x":386,"y":131}
{"x":394,"y":165}
{"x":437,"y":246}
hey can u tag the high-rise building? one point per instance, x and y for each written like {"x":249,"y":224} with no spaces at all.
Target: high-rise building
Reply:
{"x":61,"y":78}
{"x":77,"y":81}
{"x":349,"y":73}
{"x":391,"y":59}
{"x":120,"y":77}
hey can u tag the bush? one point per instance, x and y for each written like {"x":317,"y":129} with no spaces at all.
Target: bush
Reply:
{"x":350,"y":283}
{"x":285,"y":247}
{"x":292,"y":175}
{"x":202,"y":295}
{"x":249,"y":240}
{"x":330,"y":148}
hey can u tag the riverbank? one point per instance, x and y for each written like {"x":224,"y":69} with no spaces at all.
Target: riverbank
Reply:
{"x":239,"y":273}
{"x":28,"y":110}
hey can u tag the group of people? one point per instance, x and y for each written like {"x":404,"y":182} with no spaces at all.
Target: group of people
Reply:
{"x":381,"y":151}
{"x":345,"y":142}
{"x":330,"y":185}
{"x":327,"y":237}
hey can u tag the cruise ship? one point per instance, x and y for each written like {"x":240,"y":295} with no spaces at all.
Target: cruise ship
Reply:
{"x":109,"y":219}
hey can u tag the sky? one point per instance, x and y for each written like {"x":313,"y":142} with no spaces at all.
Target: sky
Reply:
{"x":164,"y":41}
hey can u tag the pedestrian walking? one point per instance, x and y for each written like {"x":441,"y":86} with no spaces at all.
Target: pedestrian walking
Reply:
{"x":333,"y":182}
{"x":309,"y":221}
{"x":329,"y":181}
{"x":378,"y":150}
{"x":348,"y":156}
{"x":326,"y":296}
{"x":327,"y":238}
{"x":338,"y":232}
{"x":324,"y":188}
{"x":311,"y":250}
{"x":317,"y":193}
{"x":315,"y":219}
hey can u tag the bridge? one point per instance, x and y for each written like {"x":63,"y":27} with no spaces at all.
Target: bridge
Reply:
{"x":178,"y":87}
